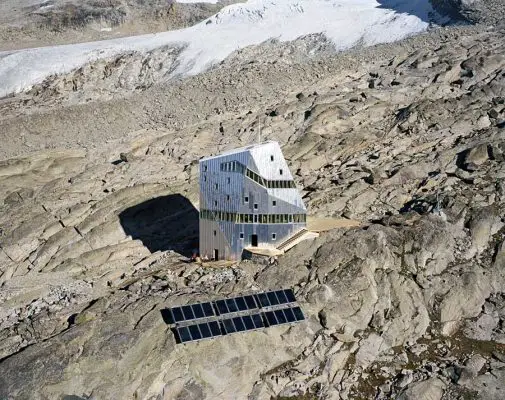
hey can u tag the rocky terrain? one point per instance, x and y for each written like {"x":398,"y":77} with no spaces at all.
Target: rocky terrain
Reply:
{"x":99,"y":214}
{"x":31,"y":23}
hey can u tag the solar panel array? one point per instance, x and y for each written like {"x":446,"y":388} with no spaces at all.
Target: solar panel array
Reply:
{"x":238,"y":314}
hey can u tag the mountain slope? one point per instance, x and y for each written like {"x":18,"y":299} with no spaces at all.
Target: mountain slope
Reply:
{"x":346,"y":23}
{"x":410,"y":304}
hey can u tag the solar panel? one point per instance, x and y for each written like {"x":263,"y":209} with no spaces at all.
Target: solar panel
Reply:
{"x":214,"y":328}
{"x":207,"y":309}
{"x":228,"y":326}
{"x":197,"y":310}
{"x":281,"y":318}
{"x":263,"y":299}
{"x":298,"y":313}
{"x":241,"y":304}
{"x":216,"y":323}
{"x":184,"y":335}
{"x":290,"y":295}
{"x":239,"y":324}
{"x":258,"y":321}
{"x":251,"y":303}
{"x":232,"y":306}
{"x":282,"y":297}
{"x":177,"y":314}
{"x":205,"y":330}
{"x":272,"y":298}
{"x":270,"y":316}
{"x":195,"y":332}
{"x":290,"y":316}
{"x":248,"y":322}
{"x":188,"y":313}
{"x":221,"y":307}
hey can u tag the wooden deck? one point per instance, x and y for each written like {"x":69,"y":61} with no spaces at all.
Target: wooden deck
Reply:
{"x":315,"y":224}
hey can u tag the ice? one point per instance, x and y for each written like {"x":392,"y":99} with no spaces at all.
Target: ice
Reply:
{"x":346,"y":23}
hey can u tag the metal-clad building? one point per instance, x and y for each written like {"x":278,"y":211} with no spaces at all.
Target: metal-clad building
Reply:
{"x":247,"y":199}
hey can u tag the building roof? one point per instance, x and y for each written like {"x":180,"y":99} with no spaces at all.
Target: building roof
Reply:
{"x":239,"y":150}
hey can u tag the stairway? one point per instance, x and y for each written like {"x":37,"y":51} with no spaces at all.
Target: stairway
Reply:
{"x":298,"y":237}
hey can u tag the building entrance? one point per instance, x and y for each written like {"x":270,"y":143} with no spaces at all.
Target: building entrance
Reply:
{"x":254,"y":240}
{"x":216,"y":254}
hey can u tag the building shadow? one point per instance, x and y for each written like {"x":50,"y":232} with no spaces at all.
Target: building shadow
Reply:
{"x":167,"y":316}
{"x":420,"y":8}
{"x":163,"y":223}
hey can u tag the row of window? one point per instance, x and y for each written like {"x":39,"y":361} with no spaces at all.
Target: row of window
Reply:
{"x":241,"y":235}
{"x":246,"y":200}
{"x":232,"y":166}
{"x":253,"y":218}
{"x":235,"y":166}
{"x":270,"y":184}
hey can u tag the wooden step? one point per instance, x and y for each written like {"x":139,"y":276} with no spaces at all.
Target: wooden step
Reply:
{"x":298,"y":237}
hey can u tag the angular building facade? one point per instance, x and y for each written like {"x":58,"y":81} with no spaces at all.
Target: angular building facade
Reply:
{"x":248,"y":199}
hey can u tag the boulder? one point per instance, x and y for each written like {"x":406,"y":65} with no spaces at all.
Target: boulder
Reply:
{"x":430,"y":389}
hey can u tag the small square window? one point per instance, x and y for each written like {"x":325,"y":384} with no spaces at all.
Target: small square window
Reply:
{"x":271,"y":158}
{"x":274,"y":203}
{"x":255,"y":206}
{"x":246,"y":199}
{"x":241,"y":235}
{"x":274,"y":236}
{"x":280,"y":171}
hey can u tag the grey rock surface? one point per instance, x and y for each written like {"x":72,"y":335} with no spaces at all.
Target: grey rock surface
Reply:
{"x":98,"y":214}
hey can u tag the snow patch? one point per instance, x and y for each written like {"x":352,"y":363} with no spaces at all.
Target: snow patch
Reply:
{"x":198,"y":1}
{"x":346,"y":23}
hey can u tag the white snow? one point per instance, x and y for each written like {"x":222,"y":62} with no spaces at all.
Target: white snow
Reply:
{"x":198,"y":1}
{"x":345,"y":22}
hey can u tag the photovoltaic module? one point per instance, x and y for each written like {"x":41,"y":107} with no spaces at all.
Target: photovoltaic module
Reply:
{"x":199,"y":321}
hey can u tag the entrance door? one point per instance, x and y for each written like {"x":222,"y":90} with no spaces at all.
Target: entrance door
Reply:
{"x":216,"y":254}
{"x":254,"y":240}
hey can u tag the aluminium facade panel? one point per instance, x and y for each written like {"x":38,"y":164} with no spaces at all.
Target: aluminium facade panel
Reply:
{"x":247,"y":198}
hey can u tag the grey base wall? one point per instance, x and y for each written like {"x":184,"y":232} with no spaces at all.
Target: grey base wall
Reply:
{"x":229,"y":244}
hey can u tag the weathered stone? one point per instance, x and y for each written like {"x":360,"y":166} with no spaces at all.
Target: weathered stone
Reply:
{"x":431,"y":389}
{"x":476,"y":156}
{"x":471,"y":369}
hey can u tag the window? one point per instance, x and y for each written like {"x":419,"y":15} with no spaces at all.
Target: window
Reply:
{"x":246,"y":199}
{"x":205,"y":168}
{"x":274,"y":203}
{"x":205,"y":179}
{"x":215,"y":203}
{"x":228,"y":180}
{"x":280,"y":172}
{"x":215,"y":186}
{"x":228,"y":197}
{"x":274,"y":236}
{"x":241,"y":235}
{"x":271,"y":158}
{"x":215,"y":233}
{"x":255,"y":206}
